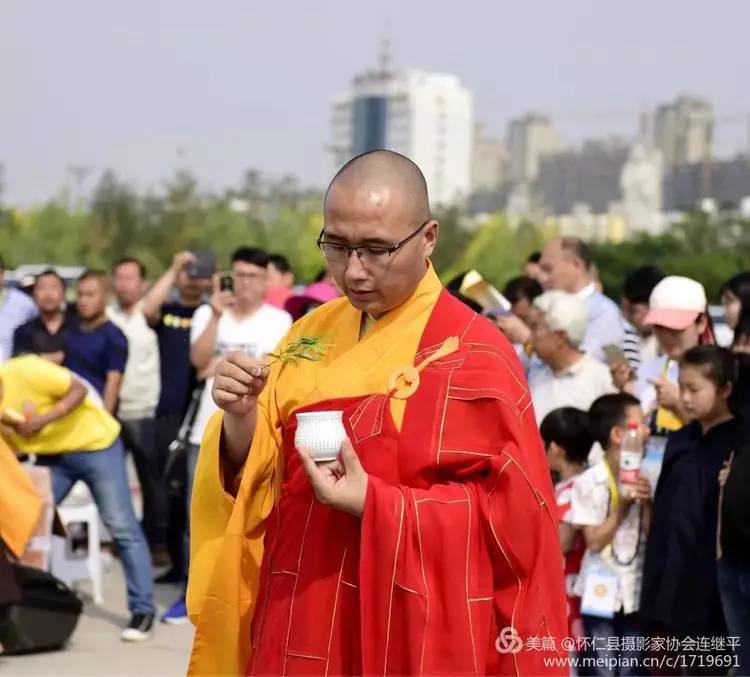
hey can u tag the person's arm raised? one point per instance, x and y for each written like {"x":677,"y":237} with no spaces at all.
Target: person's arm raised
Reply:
{"x":203,"y":349}
{"x":238,"y":382}
{"x":157,"y":295}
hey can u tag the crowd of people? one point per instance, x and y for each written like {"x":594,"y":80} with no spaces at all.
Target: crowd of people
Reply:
{"x":673,"y":553}
{"x":128,"y":368}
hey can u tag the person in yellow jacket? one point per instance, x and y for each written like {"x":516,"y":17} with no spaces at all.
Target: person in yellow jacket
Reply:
{"x":47,"y":411}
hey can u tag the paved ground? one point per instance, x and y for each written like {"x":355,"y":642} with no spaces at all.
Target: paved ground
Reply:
{"x":96,"y":649}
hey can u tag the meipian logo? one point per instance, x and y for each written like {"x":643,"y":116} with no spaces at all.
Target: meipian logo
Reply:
{"x":508,"y":641}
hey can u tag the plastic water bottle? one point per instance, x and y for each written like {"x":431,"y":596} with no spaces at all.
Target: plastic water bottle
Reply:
{"x":631,"y":455}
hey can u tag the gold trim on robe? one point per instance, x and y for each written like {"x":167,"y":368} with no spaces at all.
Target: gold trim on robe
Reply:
{"x":226,"y":533}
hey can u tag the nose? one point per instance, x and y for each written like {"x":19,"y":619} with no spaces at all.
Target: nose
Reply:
{"x":355,"y":269}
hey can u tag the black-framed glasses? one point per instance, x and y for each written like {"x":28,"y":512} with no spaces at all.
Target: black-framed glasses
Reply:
{"x":371,"y":255}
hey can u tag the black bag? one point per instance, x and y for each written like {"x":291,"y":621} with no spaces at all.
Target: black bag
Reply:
{"x":175,"y":469}
{"x":10,"y":593}
{"x":44,"y":619}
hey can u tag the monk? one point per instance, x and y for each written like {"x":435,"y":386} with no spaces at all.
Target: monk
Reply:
{"x":21,"y":506}
{"x":429,"y":546}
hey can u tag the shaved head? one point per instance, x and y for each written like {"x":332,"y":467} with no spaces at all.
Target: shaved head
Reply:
{"x":380,"y":176}
{"x":378,"y":202}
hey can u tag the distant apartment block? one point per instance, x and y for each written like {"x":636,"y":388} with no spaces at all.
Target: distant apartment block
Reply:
{"x":529,"y":138}
{"x":683,"y":131}
{"x":589,"y":175}
{"x":726,"y":182}
{"x":426,"y":116}
{"x":488,"y":161}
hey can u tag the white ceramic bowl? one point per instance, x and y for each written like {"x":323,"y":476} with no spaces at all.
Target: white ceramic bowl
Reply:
{"x":321,"y":433}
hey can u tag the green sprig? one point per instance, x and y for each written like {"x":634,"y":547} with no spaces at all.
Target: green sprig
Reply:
{"x":310,"y":348}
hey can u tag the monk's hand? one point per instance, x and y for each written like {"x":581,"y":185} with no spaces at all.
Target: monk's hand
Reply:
{"x":340,"y":484}
{"x":238,"y":382}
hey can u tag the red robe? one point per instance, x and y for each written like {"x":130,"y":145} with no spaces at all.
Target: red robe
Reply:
{"x":458,"y":540}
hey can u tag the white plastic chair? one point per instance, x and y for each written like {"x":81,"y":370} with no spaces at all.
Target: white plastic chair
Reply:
{"x":72,"y":569}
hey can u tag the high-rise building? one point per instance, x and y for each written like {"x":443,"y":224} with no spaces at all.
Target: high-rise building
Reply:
{"x":589,"y":175}
{"x":683,"y":131}
{"x":426,"y":116}
{"x":529,"y":139}
{"x":487,"y":161}
{"x":726,"y":182}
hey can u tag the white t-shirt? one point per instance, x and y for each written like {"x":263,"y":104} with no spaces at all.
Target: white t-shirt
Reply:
{"x":256,"y":335}
{"x":590,"y":505}
{"x":577,"y":386}
{"x":141,"y":382}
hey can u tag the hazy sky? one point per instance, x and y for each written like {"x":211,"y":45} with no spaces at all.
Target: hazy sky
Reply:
{"x":246,"y":83}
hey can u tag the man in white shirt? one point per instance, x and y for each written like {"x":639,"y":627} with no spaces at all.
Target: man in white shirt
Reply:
{"x":234,"y":320}
{"x":566,"y":377}
{"x":139,"y":395}
{"x":567,"y":265}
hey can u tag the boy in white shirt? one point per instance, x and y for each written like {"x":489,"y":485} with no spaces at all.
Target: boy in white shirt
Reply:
{"x":614,"y":525}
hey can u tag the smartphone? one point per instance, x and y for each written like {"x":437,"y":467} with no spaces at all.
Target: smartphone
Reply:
{"x":204,"y":265}
{"x":613,"y":353}
{"x":226,"y":282}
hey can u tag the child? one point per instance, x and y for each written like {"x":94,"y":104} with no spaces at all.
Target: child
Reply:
{"x":567,"y":441}
{"x":734,"y":537}
{"x":614,"y":526}
{"x":680,"y":595}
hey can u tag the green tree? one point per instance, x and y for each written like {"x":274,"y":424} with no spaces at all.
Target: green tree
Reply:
{"x":708,"y":250}
{"x":497,"y":250}
{"x":452,"y":241}
{"x":114,"y":224}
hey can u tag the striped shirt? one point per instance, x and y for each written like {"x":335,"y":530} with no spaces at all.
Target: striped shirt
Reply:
{"x":16,"y":308}
{"x":631,"y":346}
{"x":637,"y":349}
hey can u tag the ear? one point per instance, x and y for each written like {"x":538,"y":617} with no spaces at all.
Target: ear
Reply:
{"x":616,"y":435}
{"x":431,"y":231}
{"x":562,"y":338}
{"x":725,"y":392}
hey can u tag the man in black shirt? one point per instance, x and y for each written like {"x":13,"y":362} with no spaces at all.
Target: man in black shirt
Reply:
{"x":44,"y":334}
{"x":171,"y":320}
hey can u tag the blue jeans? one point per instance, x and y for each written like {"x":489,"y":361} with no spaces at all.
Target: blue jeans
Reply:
{"x":622,"y":625}
{"x":734,"y":588}
{"x":103,"y":472}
